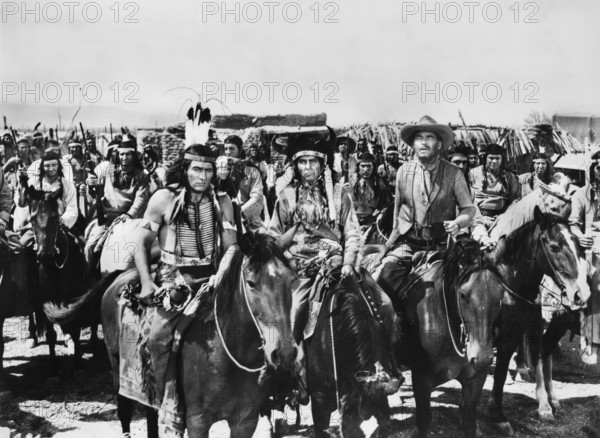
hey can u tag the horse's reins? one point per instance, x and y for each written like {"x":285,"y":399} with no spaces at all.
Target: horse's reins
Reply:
{"x":56,"y":251}
{"x":335,"y":377}
{"x":262,"y":338}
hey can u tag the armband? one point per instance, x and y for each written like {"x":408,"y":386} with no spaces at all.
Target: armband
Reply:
{"x":228,"y":226}
{"x":149,"y":225}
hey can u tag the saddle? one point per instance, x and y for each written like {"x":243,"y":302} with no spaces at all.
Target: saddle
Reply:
{"x":321,"y":290}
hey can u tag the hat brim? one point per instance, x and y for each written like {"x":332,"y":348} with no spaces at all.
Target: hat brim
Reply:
{"x":444,"y":131}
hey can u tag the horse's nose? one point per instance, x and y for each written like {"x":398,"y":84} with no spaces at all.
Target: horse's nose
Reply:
{"x":281,"y":358}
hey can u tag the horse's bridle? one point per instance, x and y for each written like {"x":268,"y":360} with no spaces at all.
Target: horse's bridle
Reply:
{"x":262,"y":338}
{"x":54,"y":247}
{"x":559,"y":282}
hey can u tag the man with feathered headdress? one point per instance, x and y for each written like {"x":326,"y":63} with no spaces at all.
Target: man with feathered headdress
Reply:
{"x":195,"y":228}
{"x":124,"y":193}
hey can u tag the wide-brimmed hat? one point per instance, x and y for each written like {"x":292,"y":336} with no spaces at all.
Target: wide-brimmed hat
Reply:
{"x":426,"y":123}
{"x":347,"y":140}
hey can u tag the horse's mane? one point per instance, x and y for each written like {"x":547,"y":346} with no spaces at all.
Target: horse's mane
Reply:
{"x":518,"y":213}
{"x":518,"y":244}
{"x":263,"y":248}
{"x":460,"y":259}
{"x":355,"y":343}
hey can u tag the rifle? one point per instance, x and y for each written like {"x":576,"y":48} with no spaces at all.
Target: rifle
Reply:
{"x":89,"y":169}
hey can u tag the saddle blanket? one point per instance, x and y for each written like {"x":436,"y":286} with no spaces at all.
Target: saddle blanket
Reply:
{"x":148,"y":371}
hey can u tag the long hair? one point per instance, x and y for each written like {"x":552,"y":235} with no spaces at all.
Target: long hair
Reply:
{"x":49,"y":157}
{"x":177,"y":172}
{"x":593,"y":184}
{"x":495,"y":149}
{"x":547,"y":176}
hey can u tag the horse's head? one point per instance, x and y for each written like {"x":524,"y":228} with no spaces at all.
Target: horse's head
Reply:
{"x":268,"y":281}
{"x":45,"y":220}
{"x":557,"y":252}
{"x":479,"y":294}
{"x":362,"y":349}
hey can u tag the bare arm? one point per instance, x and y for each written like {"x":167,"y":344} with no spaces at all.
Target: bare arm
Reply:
{"x":147,"y":231}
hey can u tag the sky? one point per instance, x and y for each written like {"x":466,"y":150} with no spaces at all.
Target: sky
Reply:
{"x":368,"y":61}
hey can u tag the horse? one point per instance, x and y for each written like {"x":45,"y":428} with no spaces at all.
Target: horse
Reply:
{"x":241,"y":331}
{"x":348,"y":359}
{"x":449,"y":307}
{"x":14,"y":298}
{"x":61,"y":268}
{"x":542,"y":246}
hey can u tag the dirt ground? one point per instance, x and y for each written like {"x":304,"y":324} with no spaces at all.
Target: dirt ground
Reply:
{"x":83,"y":404}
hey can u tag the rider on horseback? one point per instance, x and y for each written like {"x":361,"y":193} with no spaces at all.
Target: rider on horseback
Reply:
{"x":50,"y":180}
{"x":196,"y":231}
{"x":432,"y":200}
{"x":326,"y":228}
{"x":241,"y":179}
{"x":495,"y":187}
{"x":125,"y":187}
{"x":368,"y":193}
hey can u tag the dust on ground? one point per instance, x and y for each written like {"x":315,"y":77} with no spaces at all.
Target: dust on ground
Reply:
{"x":83,"y":403}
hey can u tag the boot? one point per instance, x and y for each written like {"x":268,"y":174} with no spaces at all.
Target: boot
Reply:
{"x":590,"y":354}
{"x":300,"y":394}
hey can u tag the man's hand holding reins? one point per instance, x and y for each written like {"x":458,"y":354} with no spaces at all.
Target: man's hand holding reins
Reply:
{"x":347,"y":271}
{"x":451,"y":227}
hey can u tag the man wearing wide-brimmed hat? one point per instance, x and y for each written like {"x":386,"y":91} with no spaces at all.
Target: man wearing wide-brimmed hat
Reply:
{"x":432,"y":201}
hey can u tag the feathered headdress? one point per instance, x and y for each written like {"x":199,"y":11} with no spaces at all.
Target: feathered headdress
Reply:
{"x":197,"y":126}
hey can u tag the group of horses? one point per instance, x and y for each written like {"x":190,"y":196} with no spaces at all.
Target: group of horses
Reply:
{"x":457,"y":308}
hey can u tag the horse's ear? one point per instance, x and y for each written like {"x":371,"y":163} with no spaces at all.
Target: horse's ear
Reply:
{"x":287,"y":238}
{"x":247,"y":243}
{"x":507,"y":299}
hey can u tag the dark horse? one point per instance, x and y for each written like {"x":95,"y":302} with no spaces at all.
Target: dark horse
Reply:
{"x":347,"y":359}
{"x":449,"y":309}
{"x":544,"y":246}
{"x":60,"y":269}
{"x":240,"y":331}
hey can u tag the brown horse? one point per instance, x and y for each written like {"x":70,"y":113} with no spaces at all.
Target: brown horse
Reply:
{"x":348,"y":360}
{"x":543,"y":246}
{"x":240,"y":332}
{"x":449,"y":309}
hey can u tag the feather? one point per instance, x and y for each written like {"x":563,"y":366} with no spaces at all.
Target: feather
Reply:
{"x":205,"y":116}
{"x":190,"y":113}
{"x":37,"y":126}
{"x":189,"y":134}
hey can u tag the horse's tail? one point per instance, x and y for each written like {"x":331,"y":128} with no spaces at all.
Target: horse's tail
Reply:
{"x":84,"y":310}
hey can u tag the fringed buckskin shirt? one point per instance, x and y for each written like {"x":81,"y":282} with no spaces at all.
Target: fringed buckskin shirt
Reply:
{"x":317,"y":235}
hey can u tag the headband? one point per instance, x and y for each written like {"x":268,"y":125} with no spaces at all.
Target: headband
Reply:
{"x":124,"y":149}
{"x":194,"y":157}
{"x":308,"y":154}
